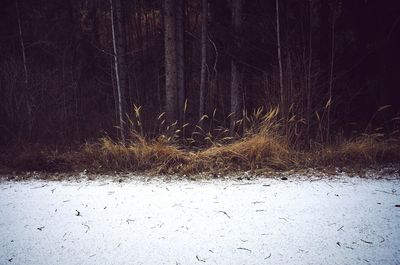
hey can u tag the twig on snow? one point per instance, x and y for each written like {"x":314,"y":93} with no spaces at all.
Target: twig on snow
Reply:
{"x":130,"y":220}
{"x":199,"y":259}
{"x":268,"y":256}
{"x":224,"y":213}
{"x":387,"y":192}
{"x":249,"y":250}
{"x":368,"y":242}
{"x":88,"y":227}
{"x":316,"y":179}
{"x":42,"y":186}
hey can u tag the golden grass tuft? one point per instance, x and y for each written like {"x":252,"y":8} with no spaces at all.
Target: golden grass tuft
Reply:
{"x":141,"y":155}
{"x":364,"y":150}
{"x":250,"y":153}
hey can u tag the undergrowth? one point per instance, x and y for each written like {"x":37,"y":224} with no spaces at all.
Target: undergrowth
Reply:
{"x":264,"y":145}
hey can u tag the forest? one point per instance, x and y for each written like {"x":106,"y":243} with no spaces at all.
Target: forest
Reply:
{"x":199,"y":85}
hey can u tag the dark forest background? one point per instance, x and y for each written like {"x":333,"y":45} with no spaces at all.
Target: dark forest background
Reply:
{"x":58,"y":82}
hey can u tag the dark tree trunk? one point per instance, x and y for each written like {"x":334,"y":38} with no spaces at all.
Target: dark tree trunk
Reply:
{"x":119,"y":62}
{"x":203,"y":72}
{"x":236,"y":97}
{"x":180,"y":53}
{"x":170,"y":60}
{"x":281,"y":87}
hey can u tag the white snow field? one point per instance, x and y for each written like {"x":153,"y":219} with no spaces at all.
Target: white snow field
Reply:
{"x":263,"y":221}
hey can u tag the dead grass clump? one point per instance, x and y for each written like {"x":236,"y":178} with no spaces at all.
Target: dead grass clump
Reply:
{"x":365,"y":150}
{"x":141,"y":155}
{"x":253,"y":152}
{"x":35,"y":158}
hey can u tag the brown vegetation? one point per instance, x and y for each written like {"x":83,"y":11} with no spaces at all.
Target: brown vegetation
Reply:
{"x":263,"y":147}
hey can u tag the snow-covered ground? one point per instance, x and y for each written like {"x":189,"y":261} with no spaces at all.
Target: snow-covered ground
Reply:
{"x":264,"y":221}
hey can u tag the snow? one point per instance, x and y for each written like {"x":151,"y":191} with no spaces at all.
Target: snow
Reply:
{"x":263,"y":221}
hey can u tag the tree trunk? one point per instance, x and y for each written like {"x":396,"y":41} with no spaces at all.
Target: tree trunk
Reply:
{"x":203,"y":72}
{"x":119,"y":62}
{"x":282,"y":90}
{"x":170,"y":61}
{"x":236,"y":99}
{"x":308,"y":92}
{"x":21,"y":40}
{"x":328,"y":127}
{"x":29,"y":121}
{"x":180,"y":53}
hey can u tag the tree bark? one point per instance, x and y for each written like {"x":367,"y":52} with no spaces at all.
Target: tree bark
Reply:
{"x":170,"y":61}
{"x":282,"y":90}
{"x":203,"y":72}
{"x":328,"y":129}
{"x":21,"y":40}
{"x":236,"y":99}
{"x":119,"y":62}
{"x":180,"y":53}
{"x":309,"y":85}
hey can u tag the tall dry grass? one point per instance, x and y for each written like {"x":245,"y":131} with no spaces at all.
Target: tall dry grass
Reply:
{"x":364,"y":150}
{"x":260,"y":147}
{"x":263,"y":146}
{"x":143,"y":155}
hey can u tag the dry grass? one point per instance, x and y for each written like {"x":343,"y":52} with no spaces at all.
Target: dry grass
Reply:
{"x":264,"y":147}
{"x":260,"y":148}
{"x":365,"y":150}
{"x":143,"y":155}
{"x":256,"y":152}
{"x":253,"y":152}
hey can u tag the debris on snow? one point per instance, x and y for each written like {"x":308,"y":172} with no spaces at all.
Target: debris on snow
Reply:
{"x":297,"y":221}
